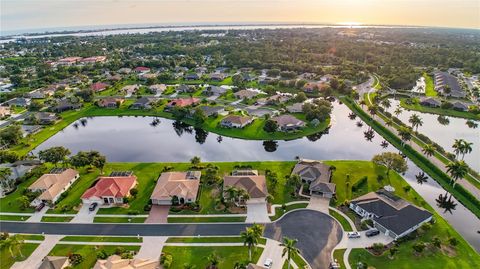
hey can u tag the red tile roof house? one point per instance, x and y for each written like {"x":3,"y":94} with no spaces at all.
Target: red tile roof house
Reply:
{"x":141,"y":69}
{"x":182,"y":102}
{"x":110,"y":190}
{"x":98,"y":86}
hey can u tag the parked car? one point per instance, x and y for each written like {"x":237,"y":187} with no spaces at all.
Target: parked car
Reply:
{"x":268,"y":263}
{"x":353,"y":235}
{"x":334,"y":265}
{"x":372,"y":232}
{"x":93,"y":206}
{"x":40,"y":206}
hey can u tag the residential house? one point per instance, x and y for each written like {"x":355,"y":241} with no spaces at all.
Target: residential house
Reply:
{"x":460,"y":106}
{"x":217,"y":77}
{"x":430,"y":102}
{"x":124,"y":71}
{"x":53,"y":184}
{"x":273,"y":100}
{"x":68,"y":61}
{"x":181,"y":185}
{"x":295,"y":108}
{"x":192,"y":76}
{"x":18,"y":169}
{"x":246,"y":94}
{"x":318,"y":175}
{"x":288,"y":122}
{"x":181,"y":102}
{"x":116,"y":262}
{"x":157,"y":88}
{"x":255,"y":185}
{"x":214,"y":91}
{"x":54,"y":262}
{"x":212,"y":110}
{"x":110,"y":102}
{"x":64,"y":105}
{"x":260,"y":112}
{"x":99,"y":86}
{"x":390,"y":214}
{"x":111,"y":190}
{"x":5,"y":111}
{"x":129,"y":90}
{"x":312,"y":87}
{"x":94,"y":59}
{"x":30,"y":129}
{"x":236,"y":121}
{"x":182,"y":88}
{"x":42,"y":118}
{"x":443,"y":80}
{"x":147,"y":76}
{"x":20,"y":102}
{"x":143,"y":103}
{"x":141,"y":69}
{"x":36,"y":94}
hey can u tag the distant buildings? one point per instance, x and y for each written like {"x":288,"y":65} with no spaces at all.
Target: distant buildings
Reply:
{"x":448,"y":85}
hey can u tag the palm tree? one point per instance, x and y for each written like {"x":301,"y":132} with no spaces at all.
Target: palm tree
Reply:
{"x":466,"y":148}
{"x":250,"y":239}
{"x":405,"y":134}
{"x":398,"y":111}
{"x":421,"y":178}
{"x":457,"y":170}
{"x":429,"y":150}
{"x":362,"y":103}
{"x":457,"y":147}
{"x":386,"y":103}
{"x":213,"y":261}
{"x":258,"y":229}
{"x":372,"y":110}
{"x":446,"y":203}
{"x":416,"y":121}
{"x":5,"y":181}
{"x":13,"y":244}
{"x":289,"y":249}
{"x":389,"y":122}
{"x":232,"y":193}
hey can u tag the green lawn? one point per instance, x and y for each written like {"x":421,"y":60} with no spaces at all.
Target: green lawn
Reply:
{"x":429,"y":89}
{"x":36,"y":237}
{"x":338,"y":255}
{"x":197,"y":255}
{"x":345,"y":224}
{"x":216,"y":219}
{"x":6,"y":261}
{"x":439,"y":111}
{"x":102,"y":239}
{"x":56,"y":219}
{"x":225,"y":239}
{"x":280,"y":212}
{"x":118,"y":220}
{"x":88,"y":252}
{"x":13,"y":218}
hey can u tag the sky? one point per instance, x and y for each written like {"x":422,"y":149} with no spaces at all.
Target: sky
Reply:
{"x":34,"y":14}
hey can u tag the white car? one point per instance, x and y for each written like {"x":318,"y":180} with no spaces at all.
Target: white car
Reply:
{"x":353,"y":235}
{"x":268,"y":263}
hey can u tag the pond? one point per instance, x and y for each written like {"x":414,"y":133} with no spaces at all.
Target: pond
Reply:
{"x":147,"y":139}
{"x":445,"y":135}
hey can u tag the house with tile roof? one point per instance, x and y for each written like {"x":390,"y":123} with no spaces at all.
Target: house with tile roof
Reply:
{"x":390,"y":214}
{"x":318,"y":175}
{"x":110,"y":102}
{"x":110,"y":190}
{"x":236,"y":121}
{"x":54,"y":262}
{"x":98,"y":86}
{"x":53,"y":184}
{"x":288,"y":122}
{"x":182,"y":102}
{"x":182,"y":185}
{"x":255,"y":185}
{"x":116,"y":262}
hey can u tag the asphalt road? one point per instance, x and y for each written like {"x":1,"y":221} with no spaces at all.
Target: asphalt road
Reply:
{"x":317,"y":233}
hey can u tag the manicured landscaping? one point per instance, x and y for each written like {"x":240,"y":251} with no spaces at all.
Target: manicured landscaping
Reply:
{"x":202,"y":239}
{"x":56,"y":219}
{"x":215,"y":219}
{"x":280,"y":211}
{"x":429,"y":89}
{"x":6,"y":260}
{"x":88,"y":252}
{"x":197,"y":255}
{"x":119,"y":220}
{"x":36,"y":237}
{"x":102,"y":239}
{"x":439,"y":111}
{"x":345,"y":224}
{"x":338,"y":256}
{"x":13,"y":218}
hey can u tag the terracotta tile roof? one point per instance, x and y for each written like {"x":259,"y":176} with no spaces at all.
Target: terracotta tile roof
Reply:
{"x":183,"y":102}
{"x":256,"y":186}
{"x":141,"y":69}
{"x":98,"y":86}
{"x":111,"y":186}
{"x":180,"y":184}
{"x":288,"y":120}
{"x":237,"y":119}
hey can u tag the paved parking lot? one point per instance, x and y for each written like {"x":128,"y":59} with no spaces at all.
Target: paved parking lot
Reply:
{"x":317,"y":234}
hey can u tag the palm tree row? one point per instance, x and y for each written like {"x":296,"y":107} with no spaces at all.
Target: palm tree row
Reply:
{"x":462,"y":147}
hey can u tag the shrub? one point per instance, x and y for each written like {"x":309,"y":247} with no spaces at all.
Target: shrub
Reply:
{"x":133,"y":212}
{"x":75,"y":259}
{"x":359,"y":184}
{"x":119,"y":250}
{"x":102,"y":254}
{"x":378,"y":248}
{"x":453,"y":241}
{"x":147,"y":208}
{"x":166,"y":260}
{"x":419,"y":247}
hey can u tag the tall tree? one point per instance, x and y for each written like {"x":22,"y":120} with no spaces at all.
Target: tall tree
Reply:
{"x":457,"y":170}
{"x":415,"y":121}
{"x":289,"y":249}
{"x":429,"y":150}
{"x":5,"y":180}
{"x":54,"y":155}
{"x":392,"y":161}
{"x":405,"y":134}
{"x":250,"y":239}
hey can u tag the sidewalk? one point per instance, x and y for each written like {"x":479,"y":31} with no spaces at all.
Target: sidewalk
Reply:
{"x":273,"y":251}
{"x":40,"y":252}
{"x":151,"y":247}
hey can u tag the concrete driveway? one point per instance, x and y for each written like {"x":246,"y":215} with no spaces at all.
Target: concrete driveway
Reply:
{"x":84,"y":215}
{"x":364,"y":241}
{"x":35,"y":259}
{"x":273,"y":251}
{"x":319,"y":203}
{"x":38,"y":215}
{"x":158,"y":214}
{"x":316,"y":232}
{"x":257,"y":211}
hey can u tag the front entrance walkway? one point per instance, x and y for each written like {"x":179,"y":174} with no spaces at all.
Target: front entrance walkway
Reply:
{"x":151,"y":247}
{"x":84,"y":215}
{"x":319,"y":203}
{"x":40,"y":252}
{"x":272,"y":251}
{"x":257,"y":211}
{"x":158,"y":214}
{"x":37,"y":216}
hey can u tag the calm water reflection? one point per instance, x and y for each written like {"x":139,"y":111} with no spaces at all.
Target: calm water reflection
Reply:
{"x":144,"y":139}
